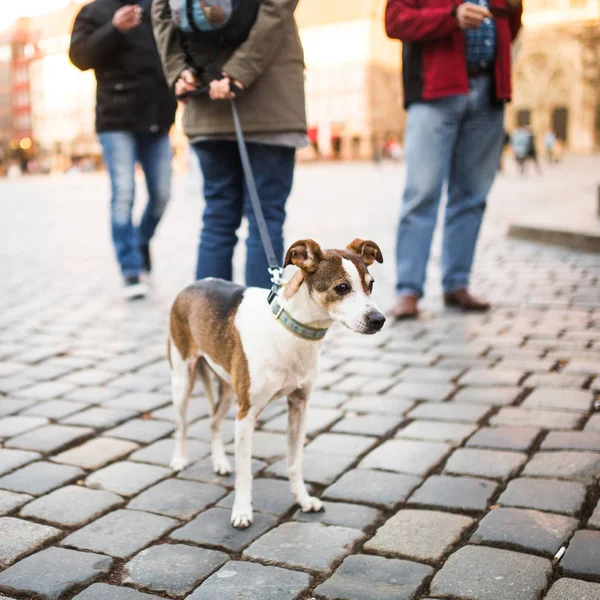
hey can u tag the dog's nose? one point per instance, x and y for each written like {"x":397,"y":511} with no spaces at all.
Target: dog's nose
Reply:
{"x":376,"y":320}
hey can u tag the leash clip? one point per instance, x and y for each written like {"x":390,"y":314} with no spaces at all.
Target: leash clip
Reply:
{"x":277,"y":281}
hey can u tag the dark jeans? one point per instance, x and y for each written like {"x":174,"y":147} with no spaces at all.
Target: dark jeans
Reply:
{"x":121,"y":150}
{"x":227,"y":201}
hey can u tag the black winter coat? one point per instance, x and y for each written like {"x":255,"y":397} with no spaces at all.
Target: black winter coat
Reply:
{"x":132,"y":94}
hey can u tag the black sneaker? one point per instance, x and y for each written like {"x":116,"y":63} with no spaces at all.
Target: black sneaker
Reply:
{"x":134,"y":288}
{"x":146,"y":261}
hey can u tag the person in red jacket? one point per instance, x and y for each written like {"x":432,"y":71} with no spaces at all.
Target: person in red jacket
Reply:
{"x":456,"y":75}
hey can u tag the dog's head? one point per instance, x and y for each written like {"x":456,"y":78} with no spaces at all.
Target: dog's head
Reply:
{"x":339,"y":281}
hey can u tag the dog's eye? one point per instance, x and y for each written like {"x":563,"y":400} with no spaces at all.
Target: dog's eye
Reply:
{"x":371,"y":286}
{"x":342,"y":289}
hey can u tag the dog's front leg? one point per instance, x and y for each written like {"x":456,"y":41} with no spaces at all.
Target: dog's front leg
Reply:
{"x":297,"y":414}
{"x":241,"y":516}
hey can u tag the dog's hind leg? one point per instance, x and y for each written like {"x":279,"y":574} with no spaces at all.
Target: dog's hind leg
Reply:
{"x":182,"y":381}
{"x":297,"y":413}
{"x":221,"y":464}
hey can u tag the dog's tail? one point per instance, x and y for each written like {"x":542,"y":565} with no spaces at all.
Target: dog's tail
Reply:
{"x":204,"y":371}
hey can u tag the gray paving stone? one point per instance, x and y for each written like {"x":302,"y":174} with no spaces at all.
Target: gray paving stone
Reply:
{"x":266,"y":445}
{"x":379,"y":405}
{"x":71,"y":506}
{"x":579,"y":466}
{"x":53,"y":572}
{"x":505,"y":438}
{"x":560,"y":398}
{"x":49,"y":438}
{"x":573,"y":589}
{"x":92,"y":394}
{"x":450,"y":411}
{"x":10,"y":406}
{"x":490,"y":573}
{"x":201,"y":430}
{"x":160,"y":453}
{"x":13,"y":459}
{"x":377,"y":425}
{"x":95,"y":453}
{"x":493,"y":464}
{"x":372,"y":487}
{"x":492,"y":377}
{"x":317,"y":470}
{"x":525,"y":529}
{"x":516,"y":416}
{"x":237,"y":580}
{"x":139,"y":430}
{"x":558,"y":380}
{"x":366,"y":577}
{"x":103,"y":591}
{"x":12,"y":426}
{"x":311,"y":546}
{"x":333,"y":443}
{"x":593,"y":424}
{"x":39,"y":478}
{"x":498,"y":396}
{"x":430,"y":374}
{"x":582,"y":557}
{"x":406,"y":456}
{"x":342,"y":514}
{"x":327,"y":399}
{"x":437,"y":431}
{"x":458,"y":493}
{"x":271,"y":496}
{"x":126,"y":478}
{"x":318,"y":419}
{"x":422,"y":535}
{"x":203,"y":471}
{"x":10,"y":501}
{"x":19,"y":537}
{"x":54,"y":409}
{"x":582,"y":367}
{"x":140,"y":402}
{"x":46,"y":391}
{"x":572,"y":440}
{"x":120,"y":533}
{"x":213,"y":528}
{"x":197,"y":409}
{"x":89,"y":377}
{"x":178,"y":498}
{"x":565,"y":497}
{"x":99,"y":417}
{"x":432,"y":392}
{"x":175,"y":569}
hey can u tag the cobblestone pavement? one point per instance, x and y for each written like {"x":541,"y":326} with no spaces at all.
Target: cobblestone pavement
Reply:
{"x":456,"y":455}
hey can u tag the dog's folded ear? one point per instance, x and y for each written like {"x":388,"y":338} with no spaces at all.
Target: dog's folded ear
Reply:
{"x":367,"y":249}
{"x":305,"y":254}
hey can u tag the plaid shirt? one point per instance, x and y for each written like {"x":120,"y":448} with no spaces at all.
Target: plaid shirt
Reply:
{"x":481,"y":42}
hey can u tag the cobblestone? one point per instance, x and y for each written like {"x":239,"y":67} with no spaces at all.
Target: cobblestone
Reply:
{"x":13,"y":459}
{"x":580,"y":466}
{"x":583,"y":555}
{"x":10,"y":501}
{"x":560,"y":398}
{"x":13,"y":426}
{"x":49,"y":438}
{"x":485,"y":463}
{"x":374,"y":578}
{"x":126,"y":478}
{"x":39,"y":478}
{"x":468,"y":413}
{"x":572,"y":440}
{"x":505,"y":438}
{"x":343,"y":514}
{"x":103,"y":591}
{"x":530,"y":417}
{"x":422,"y":535}
{"x":435,"y":431}
{"x":95,"y":453}
{"x":568,"y":589}
{"x":19,"y":537}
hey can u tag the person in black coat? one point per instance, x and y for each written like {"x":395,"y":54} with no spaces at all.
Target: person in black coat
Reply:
{"x":134,"y":111}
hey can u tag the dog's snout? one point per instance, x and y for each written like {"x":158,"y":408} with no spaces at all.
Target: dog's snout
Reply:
{"x":376,"y":320}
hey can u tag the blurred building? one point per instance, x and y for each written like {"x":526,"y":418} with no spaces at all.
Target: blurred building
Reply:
{"x":354,"y":98}
{"x":557,"y":72}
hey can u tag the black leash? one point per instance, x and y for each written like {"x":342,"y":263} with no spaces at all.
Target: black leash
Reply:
{"x":275,"y":270}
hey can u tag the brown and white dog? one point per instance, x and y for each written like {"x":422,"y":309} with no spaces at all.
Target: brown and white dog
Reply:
{"x":258,"y":353}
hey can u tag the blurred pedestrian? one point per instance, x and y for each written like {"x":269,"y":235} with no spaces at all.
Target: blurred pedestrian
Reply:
{"x":550,"y":144}
{"x":456,"y":74}
{"x":520,"y":141}
{"x":532,"y":151}
{"x":269,"y":67}
{"x":134,"y":112}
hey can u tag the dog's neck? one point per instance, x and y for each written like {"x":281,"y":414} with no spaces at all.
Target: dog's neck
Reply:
{"x":295,"y":299}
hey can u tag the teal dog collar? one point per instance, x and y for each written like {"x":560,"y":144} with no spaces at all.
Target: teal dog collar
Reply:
{"x":312,"y":334}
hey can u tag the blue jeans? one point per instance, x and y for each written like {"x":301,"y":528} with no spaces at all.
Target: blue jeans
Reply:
{"x":121,"y":150}
{"x":227,"y":201}
{"x":457,"y":140}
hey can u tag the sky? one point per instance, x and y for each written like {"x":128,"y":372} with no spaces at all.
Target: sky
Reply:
{"x":26,"y":8}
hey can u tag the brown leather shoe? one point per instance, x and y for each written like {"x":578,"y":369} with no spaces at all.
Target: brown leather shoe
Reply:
{"x":463,"y":299}
{"x":405,"y":308}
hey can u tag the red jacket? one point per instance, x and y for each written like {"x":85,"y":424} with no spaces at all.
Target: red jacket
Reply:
{"x":433,"y":48}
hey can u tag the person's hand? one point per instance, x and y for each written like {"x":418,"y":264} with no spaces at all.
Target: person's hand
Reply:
{"x":470,"y":16}
{"x":220,"y":89}
{"x":127,"y":17}
{"x":187,"y":82}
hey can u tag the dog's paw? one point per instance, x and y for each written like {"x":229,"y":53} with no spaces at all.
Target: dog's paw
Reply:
{"x":312,"y":504}
{"x":222,"y":467}
{"x":241,"y":519}
{"x":179,"y":463}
